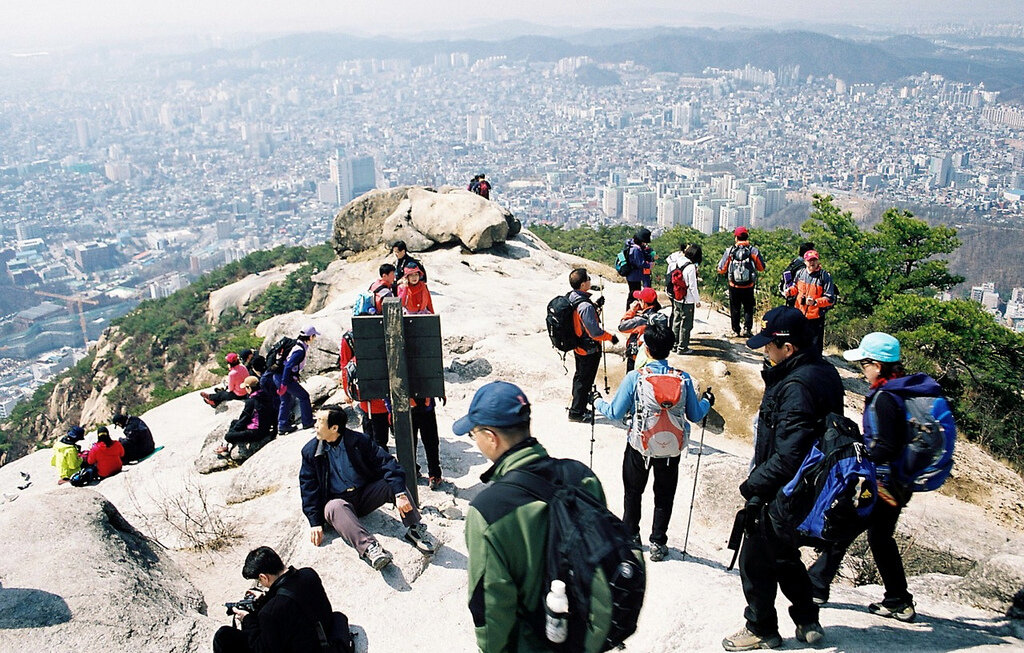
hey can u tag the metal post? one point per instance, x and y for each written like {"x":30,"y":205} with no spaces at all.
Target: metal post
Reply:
{"x":394,"y":347}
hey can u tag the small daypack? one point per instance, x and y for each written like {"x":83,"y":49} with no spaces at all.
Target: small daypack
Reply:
{"x":335,"y":637}
{"x":86,"y":475}
{"x":834,"y":491}
{"x":927,"y":460}
{"x":741,"y":266}
{"x":366,"y":301}
{"x":560,"y":323}
{"x":589,"y":549}
{"x":622,"y":263}
{"x":278,"y":354}
{"x":658,"y":429}
{"x":351,"y":374}
{"x":675,"y":283}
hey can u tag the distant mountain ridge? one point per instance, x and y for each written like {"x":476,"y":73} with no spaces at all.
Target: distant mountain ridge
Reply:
{"x":690,"y":50}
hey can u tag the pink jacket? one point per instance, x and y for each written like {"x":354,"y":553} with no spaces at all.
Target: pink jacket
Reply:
{"x":236,"y":375}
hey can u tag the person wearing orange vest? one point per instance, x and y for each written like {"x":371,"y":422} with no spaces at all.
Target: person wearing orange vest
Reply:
{"x":587,"y":353}
{"x":814,"y":293}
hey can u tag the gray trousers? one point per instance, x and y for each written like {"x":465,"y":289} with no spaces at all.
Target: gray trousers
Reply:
{"x":343,"y":514}
{"x":682,"y":323}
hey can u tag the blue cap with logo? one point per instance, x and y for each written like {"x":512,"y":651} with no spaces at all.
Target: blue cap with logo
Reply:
{"x":498,"y":403}
{"x":875,"y":346}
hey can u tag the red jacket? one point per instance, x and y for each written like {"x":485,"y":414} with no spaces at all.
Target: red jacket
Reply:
{"x":416,"y":299}
{"x":372,"y":407}
{"x":107,"y":459}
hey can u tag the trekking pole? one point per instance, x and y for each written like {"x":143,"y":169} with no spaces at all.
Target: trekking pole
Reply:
{"x":714,"y":290}
{"x":696,"y":471}
{"x":593,"y":415}
{"x":604,"y":353}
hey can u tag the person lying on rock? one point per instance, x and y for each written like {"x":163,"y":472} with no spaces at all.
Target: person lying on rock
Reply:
{"x":345,"y":475}
{"x":256,"y":420}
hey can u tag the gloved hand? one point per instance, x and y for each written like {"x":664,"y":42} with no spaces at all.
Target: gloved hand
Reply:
{"x":710,"y":396}
{"x":282,"y":390}
{"x":753,"y":511}
{"x":600,"y":301}
{"x":595,"y":395}
{"x":615,"y":339}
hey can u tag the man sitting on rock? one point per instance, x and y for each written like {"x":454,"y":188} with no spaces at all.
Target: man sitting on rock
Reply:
{"x":345,"y":475}
{"x":138,"y":439}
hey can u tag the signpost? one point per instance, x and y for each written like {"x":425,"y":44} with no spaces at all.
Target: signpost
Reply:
{"x":400,"y":357}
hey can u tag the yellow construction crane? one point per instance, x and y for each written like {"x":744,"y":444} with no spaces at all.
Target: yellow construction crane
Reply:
{"x":74,"y":301}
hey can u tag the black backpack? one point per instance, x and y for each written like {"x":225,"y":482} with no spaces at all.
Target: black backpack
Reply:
{"x":352,"y":379}
{"x":336,"y":637}
{"x":278,"y":354}
{"x":622,"y":263}
{"x":560,"y":322}
{"x":590,"y":550}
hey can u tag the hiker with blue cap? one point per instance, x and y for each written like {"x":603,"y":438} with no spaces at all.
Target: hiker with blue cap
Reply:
{"x":886,"y":435}
{"x":67,"y":454}
{"x":507,"y":527}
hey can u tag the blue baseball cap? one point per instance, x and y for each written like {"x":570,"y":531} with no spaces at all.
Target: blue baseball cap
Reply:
{"x":875,"y":346}
{"x":782,"y":323}
{"x":498,"y":403}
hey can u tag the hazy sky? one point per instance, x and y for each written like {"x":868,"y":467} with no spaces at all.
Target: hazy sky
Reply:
{"x":51,"y":23}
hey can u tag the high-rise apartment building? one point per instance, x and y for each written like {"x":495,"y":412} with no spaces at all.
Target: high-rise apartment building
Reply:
{"x":352,"y":176}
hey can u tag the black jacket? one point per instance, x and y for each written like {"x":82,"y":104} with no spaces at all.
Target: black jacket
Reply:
{"x":287,"y":624}
{"x":370,"y":461}
{"x":400,"y":268}
{"x":257,"y":403}
{"x":799,"y":393}
{"x":137,"y":440}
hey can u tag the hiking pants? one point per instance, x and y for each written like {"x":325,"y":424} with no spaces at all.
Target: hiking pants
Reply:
{"x":295,"y":393}
{"x":741,"y":300}
{"x":238,"y":436}
{"x":634,"y":481}
{"x":770,"y":561}
{"x":818,"y":330}
{"x":224,"y":394}
{"x":881,"y":528}
{"x":424,"y":425}
{"x":583,"y":381}
{"x":343,"y":514}
{"x":377,"y":426}
{"x":633,"y":285}
{"x":682,"y":323}
{"x":230,"y":640}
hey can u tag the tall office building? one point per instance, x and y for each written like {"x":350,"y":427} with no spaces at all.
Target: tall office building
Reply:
{"x":352,"y":176}
{"x":611,"y":201}
{"x":640,"y":205}
{"x":940,"y":167}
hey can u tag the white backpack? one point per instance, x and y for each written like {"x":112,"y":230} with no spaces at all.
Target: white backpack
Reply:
{"x":658,"y":429}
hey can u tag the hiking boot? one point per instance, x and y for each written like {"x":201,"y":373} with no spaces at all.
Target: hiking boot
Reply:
{"x":434,"y":482}
{"x":747,"y":334}
{"x":209,"y":401}
{"x":376,"y":556}
{"x":585,"y":416}
{"x":810,"y":633}
{"x":745,"y":640}
{"x":684,"y":352}
{"x":902,"y":610}
{"x":418,"y":536}
{"x":658,"y":552}
{"x":285,"y":430}
{"x":819,"y":600}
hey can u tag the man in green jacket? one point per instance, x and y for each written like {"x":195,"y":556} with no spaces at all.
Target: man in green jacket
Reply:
{"x":506,"y":528}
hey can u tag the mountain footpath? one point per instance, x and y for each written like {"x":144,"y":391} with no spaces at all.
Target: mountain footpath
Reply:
{"x":144,"y":560}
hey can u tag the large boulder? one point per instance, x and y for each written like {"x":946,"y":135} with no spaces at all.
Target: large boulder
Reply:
{"x":76,"y":575}
{"x":423,"y":218}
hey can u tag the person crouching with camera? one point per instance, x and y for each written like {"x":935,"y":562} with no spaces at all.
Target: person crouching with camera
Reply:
{"x":281,"y":614}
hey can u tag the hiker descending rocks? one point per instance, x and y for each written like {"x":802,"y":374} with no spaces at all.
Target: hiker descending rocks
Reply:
{"x":681,"y":286}
{"x":138,"y":439}
{"x":288,"y":387}
{"x":660,"y":400}
{"x":287,"y":614}
{"x":814,"y":293}
{"x":642,"y":312}
{"x":103,"y":460}
{"x":402,"y":257}
{"x":255,"y":422}
{"x":519,"y":521}
{"x":789,"y":274}
{"x":587,"y":351}
{"x":801,"y":389}
{"x":346,"y":475}
{"x":67,"y":454}
{"x":903,"y":465}
{"x":740,"y":263}
{"x":237,"y":373}
{"x":635,"y":261}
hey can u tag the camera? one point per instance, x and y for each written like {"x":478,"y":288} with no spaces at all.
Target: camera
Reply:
{"x":250,"y":603}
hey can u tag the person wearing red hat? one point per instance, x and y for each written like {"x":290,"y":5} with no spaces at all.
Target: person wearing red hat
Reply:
{"x":237,"y":373}
{"x":636,"y":319}
{"x":740,"y":263}
{"x":413,"y":292}
{"x":814,"y":293}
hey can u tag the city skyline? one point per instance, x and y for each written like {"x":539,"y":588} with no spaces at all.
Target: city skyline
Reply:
{"x":58,"y":24}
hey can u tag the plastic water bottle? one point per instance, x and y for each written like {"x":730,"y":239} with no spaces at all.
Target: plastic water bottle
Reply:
{"x":556,"y":613}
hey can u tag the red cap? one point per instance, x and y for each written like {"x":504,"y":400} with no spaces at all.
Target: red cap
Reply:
{"x":811,"y":254}
{"x":231,"y":358}
{"x":646,"y":295}
{"x":739,"y":231}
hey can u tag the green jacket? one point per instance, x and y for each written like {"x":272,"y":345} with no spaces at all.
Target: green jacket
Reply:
{"x":506,"y":533}
{"x":65,"y":458}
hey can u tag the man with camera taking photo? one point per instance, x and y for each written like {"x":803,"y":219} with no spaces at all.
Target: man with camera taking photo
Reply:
{"x":290,"y":609}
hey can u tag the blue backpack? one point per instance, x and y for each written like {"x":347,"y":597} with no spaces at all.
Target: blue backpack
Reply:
{"x":622,"y":263}
{"x":364,"y":304}
{"x":927,"y":460}
{"x":834,"y":491}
